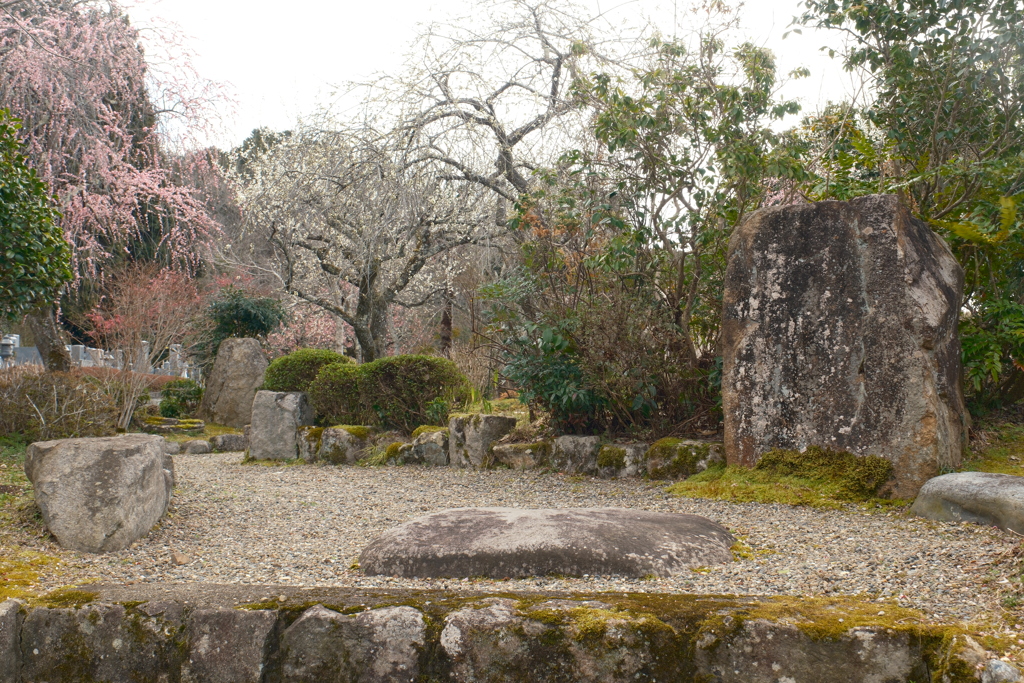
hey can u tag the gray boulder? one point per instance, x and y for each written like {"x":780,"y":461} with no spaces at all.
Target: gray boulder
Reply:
{"x":376,"y":645}
{"x":576,"y":454}
{"x":681,"y":458}
{"x":228,"y":645}
{"x":470,"y":438}
{"x":11,"y":616}
{"x":345,"y":445}
{"x":507,"y":542}
{"x":621,"y":460}
{"x":521,"y":456}
{"x":236,"y":376}
{"x":276,"y":418}
{"x":839,"y":330}
{"x":979,"y":497}
{"x":100,"y":494}
{"x":230,"y":443}
{"x":428,"y":448}
{"x":172,"y":447}
{"x":197,"y":447}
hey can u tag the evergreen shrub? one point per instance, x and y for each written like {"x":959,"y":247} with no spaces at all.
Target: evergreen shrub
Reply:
{"x":297,"y":370}
{"x":335,"y":394}
{"x":181,"y":398}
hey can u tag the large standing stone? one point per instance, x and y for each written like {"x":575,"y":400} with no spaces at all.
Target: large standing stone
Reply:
{"x":236,"y":376}
{"x":470,"y":438}
{"x":507,"y":542}
{"x":978,"y":497}
{"x":276,"y":418}
{"x":100,"y":494}
{"x":840,"y":330}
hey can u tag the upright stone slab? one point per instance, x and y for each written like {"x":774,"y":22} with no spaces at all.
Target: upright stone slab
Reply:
{"x":839,"y":329}
{"x":236,"y":376}
{"x":99,"y":494}
{"x":470,"y":438}
{"x":276,"y":418}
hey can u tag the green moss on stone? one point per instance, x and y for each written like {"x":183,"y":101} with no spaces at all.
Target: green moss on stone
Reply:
{"x":671,"y":458}
{"x":611,"y":456}
{"x":428,"y":429}
{"x":359,"y":431}
{"x":67,"y":597}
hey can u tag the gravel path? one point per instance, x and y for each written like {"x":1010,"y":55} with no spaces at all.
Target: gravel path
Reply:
{"x":306,"y":524}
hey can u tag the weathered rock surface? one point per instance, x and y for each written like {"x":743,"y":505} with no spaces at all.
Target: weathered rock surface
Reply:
{"x":197,"y":447}
{"x":470,"y":438}
{"x":344,"y":445}
{"x":839,"y":330}
{"x":458,"y":636}
{"x":172,"y":447}
{"x":376,"y":645}
{"x":521,"y":456}
{"x":509,"y":542}
{"x":100,"y":494}
{"x":236,"y":376}
{"x":681,"y":458}
{"x":228,"y":645}
{"x":276,"y":418}
{"x":11,"y":617}
{"x":621,"y":461}
{"x":978,"y":497}
{"x":576,"y":454}
{"x":429,"y":448}
{"x":230,"y":443}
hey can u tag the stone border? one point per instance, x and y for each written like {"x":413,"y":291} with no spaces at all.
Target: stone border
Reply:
{"x":266,"y":634}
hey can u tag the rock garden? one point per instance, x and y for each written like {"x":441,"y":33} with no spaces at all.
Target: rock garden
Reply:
{"x":379,"y":517}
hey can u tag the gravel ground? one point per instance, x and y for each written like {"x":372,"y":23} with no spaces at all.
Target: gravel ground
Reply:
{"x":305,"y":525}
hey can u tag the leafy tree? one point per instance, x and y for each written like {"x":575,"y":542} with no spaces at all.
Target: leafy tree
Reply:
{"x":34,"y":258}
{"x":945,"y":130}
{"x":235,"y":312}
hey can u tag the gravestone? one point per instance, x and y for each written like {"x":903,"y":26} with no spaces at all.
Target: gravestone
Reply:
{"x":839,"y":330}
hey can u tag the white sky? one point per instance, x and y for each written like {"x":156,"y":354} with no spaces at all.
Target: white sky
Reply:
{"x":280,"y":58}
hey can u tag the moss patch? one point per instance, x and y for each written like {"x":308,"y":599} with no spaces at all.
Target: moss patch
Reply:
{"x":359,"y":431}
{"x":611,"y":456}
{"x":383,"y":455}
{"x":818,"y":477}
{"x":427,"y":429}
{"x":1002,"y":454}
{"x":671,"y":458}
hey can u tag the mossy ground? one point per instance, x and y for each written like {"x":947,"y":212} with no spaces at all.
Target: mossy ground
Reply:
{"x":998,"y":448}
{"x":817,"y":478}
{"x":210,"y":431}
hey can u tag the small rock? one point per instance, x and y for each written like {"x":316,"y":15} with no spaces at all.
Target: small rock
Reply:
{"x":229,"y":443}
{"x":470,"y":438}
{"x":197,"y":447}
{"x":180,"y":559}
{"x":978,"y":497}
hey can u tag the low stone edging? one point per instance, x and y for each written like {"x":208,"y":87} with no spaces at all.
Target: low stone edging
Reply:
{"x":268,"y":634}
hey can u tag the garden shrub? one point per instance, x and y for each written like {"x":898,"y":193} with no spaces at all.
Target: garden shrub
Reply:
{"x":335,"y":394}
{"x":55,"y":405}
{"x":404,"y":392}
{"x":181,"y":398}
{"x":297,"y":370}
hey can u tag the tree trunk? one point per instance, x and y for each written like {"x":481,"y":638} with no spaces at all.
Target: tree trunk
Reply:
{"x":48,"y":340}
{"x":446,"y":325}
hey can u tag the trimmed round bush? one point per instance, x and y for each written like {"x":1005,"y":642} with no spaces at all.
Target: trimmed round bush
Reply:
{"x":404,"y":392}
{"x":297,"y":370}
{"x":335,"y":394}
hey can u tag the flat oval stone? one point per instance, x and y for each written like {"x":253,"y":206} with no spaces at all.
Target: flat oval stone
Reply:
{"x":978,"y":497}
{"x":513,"y":542}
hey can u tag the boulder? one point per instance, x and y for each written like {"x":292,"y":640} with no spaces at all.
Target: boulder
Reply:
{"x":681,"y":458}
{"x":276,"y":418}
{"x":507,"y":542}
{"x":470,"y":438}
{"x":197,"y":447}
{"x":428,"y":448}
{"x":521,"y":456}
{"x":978,"y":497}
{"x":345,"y":444}
{"x":228,"y":645}
{"x":621,"y":460}
{"x":100,"y":494}
{"x":374,"y":645}
{"x":576,"y":454}
{"x":230,"y":443}
{"x":12,"y":615}
{"x":997,"y":671}
{"x":839,"y":330}
{"x":172,"y":447}
{"x":236,"y":376}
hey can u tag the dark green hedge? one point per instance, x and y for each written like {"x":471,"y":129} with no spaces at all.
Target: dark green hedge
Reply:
{"x":399,"y":392}
{"x":297,"y":370}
